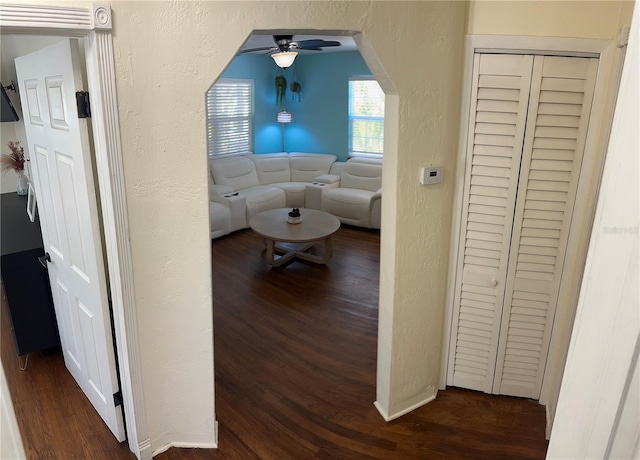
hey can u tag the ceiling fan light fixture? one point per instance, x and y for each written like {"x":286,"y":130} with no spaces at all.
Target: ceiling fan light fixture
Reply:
{"x":284,"y":59}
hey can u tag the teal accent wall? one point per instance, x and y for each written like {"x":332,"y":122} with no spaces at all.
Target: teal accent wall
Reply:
{"x":320,"y":119}
{"x":266,"y":132}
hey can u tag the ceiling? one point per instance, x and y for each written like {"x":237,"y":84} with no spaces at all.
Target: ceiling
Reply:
{"x":258,"y":40}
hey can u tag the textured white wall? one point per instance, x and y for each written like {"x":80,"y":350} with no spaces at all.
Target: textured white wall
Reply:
{"x":598,"y":414}
{"x":8,"y":180}
{"x":586,"y":19}
{"x":167,"y":54}
{"x":10,"y":441}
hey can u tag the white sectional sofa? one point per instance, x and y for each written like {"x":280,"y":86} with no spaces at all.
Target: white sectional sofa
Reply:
{"x":292,"y":172}
{"x":357,"y":199}
{"x":238,"y":175}
{"x":242,"y":186}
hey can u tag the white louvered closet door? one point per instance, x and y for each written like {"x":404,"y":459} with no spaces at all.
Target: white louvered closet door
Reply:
{"x":557,"y":122}
{"x":528,"y":121}
{"x":496,"y":134}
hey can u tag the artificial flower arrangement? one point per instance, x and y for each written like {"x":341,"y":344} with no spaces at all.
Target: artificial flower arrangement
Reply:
{"x":14,"y":160}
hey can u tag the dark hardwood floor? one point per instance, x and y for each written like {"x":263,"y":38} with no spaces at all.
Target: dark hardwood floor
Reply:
{"x":295,"y":359}
{"x":55,"y":418}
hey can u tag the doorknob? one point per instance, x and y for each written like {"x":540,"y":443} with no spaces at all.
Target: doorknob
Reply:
{"x":44,"y":259}
{"x":494,"y":282}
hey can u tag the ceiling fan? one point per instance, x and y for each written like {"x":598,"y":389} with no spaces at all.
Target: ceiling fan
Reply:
{"x":286,"y":48}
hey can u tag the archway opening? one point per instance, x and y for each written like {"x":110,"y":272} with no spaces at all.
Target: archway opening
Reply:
{"x":284,"y":335}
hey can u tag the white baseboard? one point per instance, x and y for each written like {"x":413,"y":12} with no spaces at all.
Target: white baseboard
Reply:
{"x":401,"y":412}
{"x":547,"y":429}
{"x":384,"y":414}
{"x":166,"y":445}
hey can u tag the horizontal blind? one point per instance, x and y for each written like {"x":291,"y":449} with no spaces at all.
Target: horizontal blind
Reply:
{"x":230,"y":117}
{"x":366,"y":117}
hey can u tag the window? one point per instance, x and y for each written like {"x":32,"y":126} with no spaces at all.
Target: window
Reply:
{"x":230,"y":117}
{"x":366,"y":118}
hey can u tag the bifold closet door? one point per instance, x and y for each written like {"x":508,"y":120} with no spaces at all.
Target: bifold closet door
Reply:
{"x":558,"y":118}
{"x":528,"y":123}
{"x":500,"y":94}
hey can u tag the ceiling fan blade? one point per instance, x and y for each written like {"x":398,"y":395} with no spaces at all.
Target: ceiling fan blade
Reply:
{"x":306,"y":49}
{"x":264,"y":48}
{"x":316,"y":43}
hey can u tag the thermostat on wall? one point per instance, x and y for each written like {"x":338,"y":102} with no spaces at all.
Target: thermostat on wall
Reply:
{"x":431,"y":175}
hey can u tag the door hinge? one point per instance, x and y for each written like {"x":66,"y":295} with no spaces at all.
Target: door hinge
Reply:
{"x":117,"y":399}
{"x":82,"y":102}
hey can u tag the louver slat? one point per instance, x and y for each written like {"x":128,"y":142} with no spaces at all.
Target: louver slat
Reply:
{"x":559,"y":108}
{"x":496,"y":133}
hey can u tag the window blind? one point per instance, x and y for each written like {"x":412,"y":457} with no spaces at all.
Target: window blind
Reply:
{"x":230,"y":117}
{"x":366,"y":118}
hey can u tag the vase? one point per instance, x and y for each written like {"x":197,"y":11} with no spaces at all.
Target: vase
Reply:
{"x":23,"y":183}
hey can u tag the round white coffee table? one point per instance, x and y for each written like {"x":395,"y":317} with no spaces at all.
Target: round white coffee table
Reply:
{"x":316,"y":226}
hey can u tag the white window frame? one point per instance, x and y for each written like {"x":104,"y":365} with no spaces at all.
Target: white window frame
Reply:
{"x":245,"y":139}
{"x":353,"y":118}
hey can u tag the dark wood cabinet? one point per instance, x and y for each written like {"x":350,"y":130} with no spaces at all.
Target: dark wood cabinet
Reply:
{"x":25,"y":280}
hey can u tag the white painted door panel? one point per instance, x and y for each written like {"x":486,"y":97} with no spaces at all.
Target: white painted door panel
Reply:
{"x":63,"y":179}
{"x":528,"y":123}
{"x":496,"y":134}
{"x":549,"y":175}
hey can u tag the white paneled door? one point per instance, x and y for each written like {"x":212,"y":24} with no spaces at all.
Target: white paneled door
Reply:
{"x":59,"y":149}
{"x":528,"y":123}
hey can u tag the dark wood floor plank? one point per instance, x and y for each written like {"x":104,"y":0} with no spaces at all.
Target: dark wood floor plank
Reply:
{"x":298,"y":343}
{"x":295,"y":361}
{"x":55,"y":418}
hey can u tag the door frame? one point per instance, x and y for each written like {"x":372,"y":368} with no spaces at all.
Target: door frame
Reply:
{"x":94,"y":25}
{"x":608,"y":76}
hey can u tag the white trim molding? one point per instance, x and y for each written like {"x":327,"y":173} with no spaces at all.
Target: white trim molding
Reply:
{"x":94,"y":24}
{"x":598,"y":414}
{"x":411,"y":406}
{"x":50,"y":20}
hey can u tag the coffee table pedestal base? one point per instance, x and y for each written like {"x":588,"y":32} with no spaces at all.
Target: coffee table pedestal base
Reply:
{"x":298,"y":251}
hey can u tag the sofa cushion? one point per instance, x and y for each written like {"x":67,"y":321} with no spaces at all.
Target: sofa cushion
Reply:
{"x":327,"y":179}
{"x":337,"y":168}
{"x":360,"y":175}
{"x":272,"y":168}
{"x":305,"y":167}
{"x":351,"y":206}
{"x":236,"y":172}
{"x":262,"y":198}
{"x":219,"y":219}
{"x":295,"y":193}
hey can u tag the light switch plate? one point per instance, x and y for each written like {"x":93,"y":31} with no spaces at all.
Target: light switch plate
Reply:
{"x":431,"y":175}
